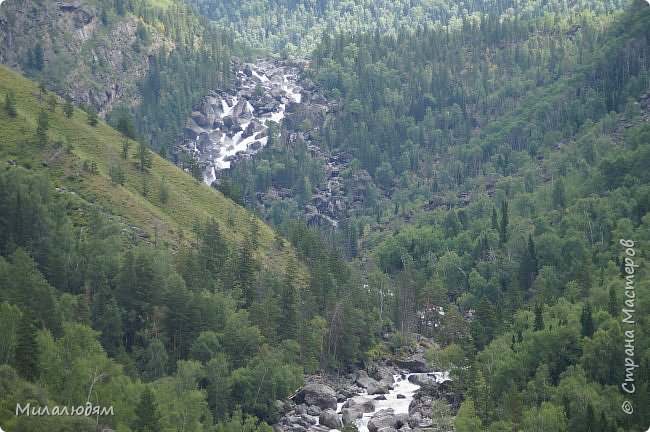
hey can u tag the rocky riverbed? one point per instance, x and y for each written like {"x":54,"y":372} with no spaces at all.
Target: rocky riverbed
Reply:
{"x":229,"y":126}
{"x":383,"y":398}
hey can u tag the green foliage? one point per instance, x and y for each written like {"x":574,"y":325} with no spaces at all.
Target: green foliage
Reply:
{"x":26,"y":350}
{"x":91,"y":116}
{"x":10,"y":104}
{"x":68,"y":108}
{"x":43,"y":123}
{"x":143,"y":156}
{"x":147,"y":414}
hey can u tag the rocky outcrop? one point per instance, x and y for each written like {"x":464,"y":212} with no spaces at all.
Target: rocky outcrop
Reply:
{"x":74,"y":58}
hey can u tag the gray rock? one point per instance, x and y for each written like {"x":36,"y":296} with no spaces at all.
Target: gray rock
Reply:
{"x":314,"y":410}
{"x":383,"y":419}
{"x":364,"y":404}
{"x":414,"y":363}
{"x":317,"y":394}
{"x":330,"y":419}
{"x":376,"y":388}
{"x":381,"y":373}
{"x":402,"y":419}
{"x":200,"y":119}
{"x":191,"y":130}
{"x":362,"y":378}
{"x":349,"y":415}
{"x":423,"y":380}
{"x":249,"y":131}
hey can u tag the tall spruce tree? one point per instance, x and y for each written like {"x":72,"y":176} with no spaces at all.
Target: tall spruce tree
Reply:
{"x":26,"y":353}
{"x":147,"y":416}
{"x":503,"y":227}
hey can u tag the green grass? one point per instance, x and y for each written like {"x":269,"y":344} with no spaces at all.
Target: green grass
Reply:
{"x":189,"y":201}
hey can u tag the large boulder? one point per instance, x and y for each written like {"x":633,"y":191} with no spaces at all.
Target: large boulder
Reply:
{"x":362,"y":403}
{"x":425,"y":381}
{"x":382,"y":419}
{"x":349,"y":415}
{"x":320,"y":395}
{"x":362,"y":379}
{"x":383,"y":375}
{"x":191,"y":129}
{"x":376,"y":388}
{"x":330,"y":419}
{"x":415,"y":363}
{"x":200,"y":119}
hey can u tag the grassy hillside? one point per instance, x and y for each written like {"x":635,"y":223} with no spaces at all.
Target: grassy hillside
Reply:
{"x":74,"y":148}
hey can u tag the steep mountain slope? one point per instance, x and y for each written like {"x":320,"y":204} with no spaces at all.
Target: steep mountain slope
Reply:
{"x":122,"y":57}
{"x":163,"y":202}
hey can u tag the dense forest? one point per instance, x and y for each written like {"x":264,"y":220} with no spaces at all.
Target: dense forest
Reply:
{"x":294,"y":28}
{"x":502,"y":149}
{"x":505,"y":164}
{"x":201,"y":312}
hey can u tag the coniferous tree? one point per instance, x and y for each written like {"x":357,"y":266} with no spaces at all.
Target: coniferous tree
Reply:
{"x":584,"y":276}
{"x":503,"y":227}
{"x":586,"y":319}
{"x":68,"y":108}
{"x":41,"y":127}
{"x":528,"y":266}
{"x":245,"y":272}
{"x":147,"y":415}
{"x":143,"y":155}
{"x":612,"y":306}
{"x":39,"y":57}
{"x":10,"y":104}
{"x":538,"y":324}
{"x":26,"y":353}
{"x":92,"y":116}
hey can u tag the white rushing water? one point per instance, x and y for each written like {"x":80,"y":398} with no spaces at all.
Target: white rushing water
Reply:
{"x":400,"y":405}
{"x":229,"y":146}
{"x":402,"y":387}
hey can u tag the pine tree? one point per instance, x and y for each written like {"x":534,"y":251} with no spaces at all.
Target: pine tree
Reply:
{"x":612,"y":305}
{"x":587,"y":322}
{"x":26,"y":351}
{"x":41,"y":127}
{"x":245,"y":272}
{"x":39,"y":57}
{"x":10,"y":106}
{"x":68,"y":108}
{"x":584,"y":276}
{"x":143,"y":155}
{"x":503,"y":227}
{"x":539,"y":318}
{"x":92,"y":117}
{"x":125,"y":149}
{"x":528,"y":266}
{"x":495,"y":223}
{"x":147,"y":415}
